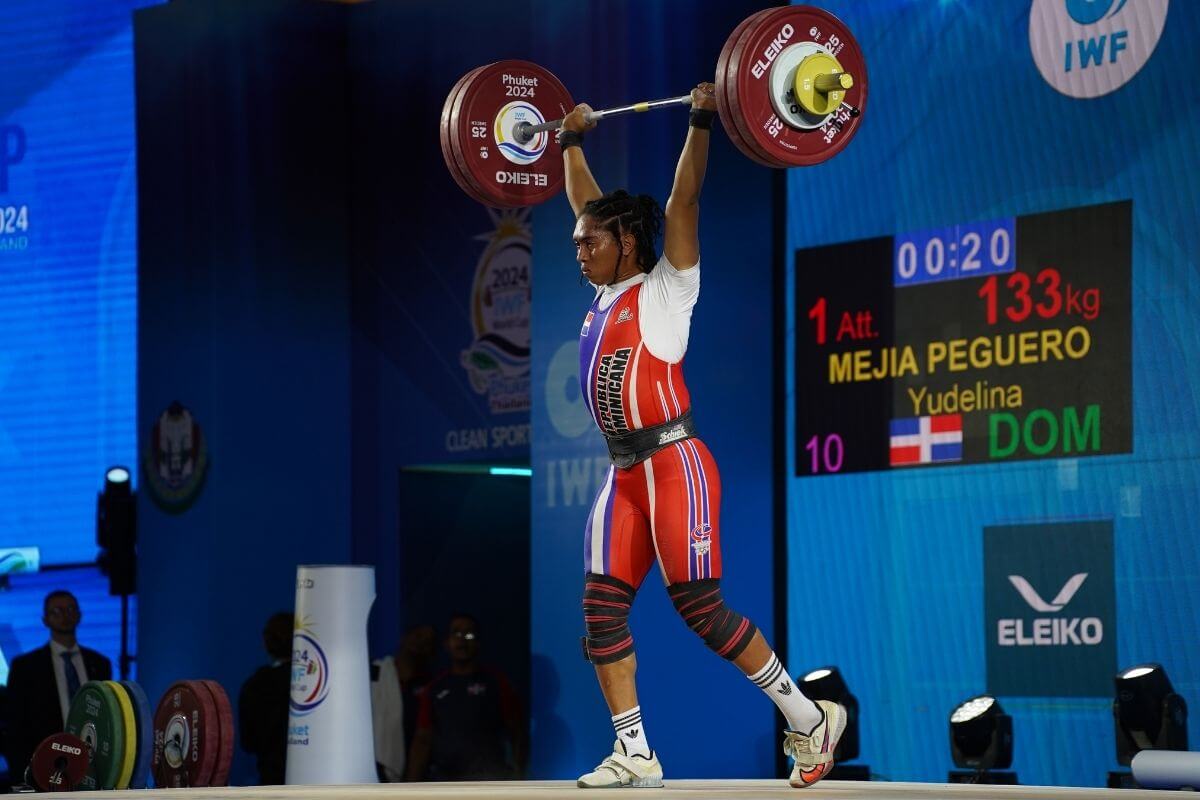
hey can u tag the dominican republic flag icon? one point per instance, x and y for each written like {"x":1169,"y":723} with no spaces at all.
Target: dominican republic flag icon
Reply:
{"x":926,"y":440}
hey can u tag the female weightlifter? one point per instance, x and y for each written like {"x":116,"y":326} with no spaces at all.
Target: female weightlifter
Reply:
{"x":661,"y":498}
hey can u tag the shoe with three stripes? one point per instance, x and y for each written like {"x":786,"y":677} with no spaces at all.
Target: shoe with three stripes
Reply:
{"x":622,"y":770}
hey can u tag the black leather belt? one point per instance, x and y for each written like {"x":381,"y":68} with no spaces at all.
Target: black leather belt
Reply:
{"x":627,"y":449}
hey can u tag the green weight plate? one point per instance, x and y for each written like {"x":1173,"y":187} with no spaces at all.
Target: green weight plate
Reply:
{"x":96,"y":717}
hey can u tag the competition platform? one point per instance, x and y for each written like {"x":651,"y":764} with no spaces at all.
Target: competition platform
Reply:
{"x":674,"y":790}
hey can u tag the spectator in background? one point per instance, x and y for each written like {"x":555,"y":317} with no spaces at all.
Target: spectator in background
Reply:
{"x":396,"y":684}
{"x":263,"y":703}
{"x":469,"y":726}
{"x":42,"y":682}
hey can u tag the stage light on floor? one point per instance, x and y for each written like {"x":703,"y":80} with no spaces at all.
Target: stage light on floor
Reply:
{"x":1147,"y":714}
{"x":827,"y":683}
{"x":981,"y":742}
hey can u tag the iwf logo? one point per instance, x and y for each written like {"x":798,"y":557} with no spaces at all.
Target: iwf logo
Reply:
{"x":1050,"y":609}
{"x":497,"y":362}
{"x":1088,"y":48}
{"x":507,"y":121}
{"x":310,"y":674}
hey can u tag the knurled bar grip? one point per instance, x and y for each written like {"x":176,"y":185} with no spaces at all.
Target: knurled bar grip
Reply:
{"x":524,"y":131}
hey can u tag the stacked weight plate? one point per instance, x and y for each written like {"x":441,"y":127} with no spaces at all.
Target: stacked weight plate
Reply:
{"x":477,"y":133}
{"x":193,"y":736}
{"x":113,"y":720}
{"x":225,"y":731}
{"x":759,"y":61}
{"x":129,"y":733}
{"x":97,"y":717}
{"x":144,"y":739}
{"x":60,"y":764}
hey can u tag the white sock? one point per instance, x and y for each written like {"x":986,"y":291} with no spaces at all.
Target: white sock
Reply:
{"x":631,"y":732}
{"x":802,"y":714}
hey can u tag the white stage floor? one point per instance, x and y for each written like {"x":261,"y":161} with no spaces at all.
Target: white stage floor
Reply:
{"x":674,"y":790}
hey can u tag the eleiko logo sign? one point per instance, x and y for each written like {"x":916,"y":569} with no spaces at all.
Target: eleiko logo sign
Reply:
{"x":1088,"y":48}
{"x":1049,"y":631}
{"x":1037,"y":603}
{"x":1064,"y":646}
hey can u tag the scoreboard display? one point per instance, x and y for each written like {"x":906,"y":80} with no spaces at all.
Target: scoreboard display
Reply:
{"x":982,"y":342}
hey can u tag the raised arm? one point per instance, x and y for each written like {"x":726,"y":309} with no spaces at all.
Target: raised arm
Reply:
{"x":581,"y":186}
{"x":681,"y":237}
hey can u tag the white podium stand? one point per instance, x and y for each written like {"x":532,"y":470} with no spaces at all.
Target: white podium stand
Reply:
{"x":329,"y":721}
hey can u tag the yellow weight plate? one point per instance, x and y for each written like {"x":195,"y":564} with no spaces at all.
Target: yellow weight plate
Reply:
{"x":809,"y":73}
{"x":129,"y":739}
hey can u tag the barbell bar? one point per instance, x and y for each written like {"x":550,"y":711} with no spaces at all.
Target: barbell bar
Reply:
{"x":791,"y":84}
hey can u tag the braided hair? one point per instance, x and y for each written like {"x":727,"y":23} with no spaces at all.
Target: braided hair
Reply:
{"x":620,"y":212}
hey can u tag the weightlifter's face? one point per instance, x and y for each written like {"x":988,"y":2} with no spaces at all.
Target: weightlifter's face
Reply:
{"x":597,"y":252}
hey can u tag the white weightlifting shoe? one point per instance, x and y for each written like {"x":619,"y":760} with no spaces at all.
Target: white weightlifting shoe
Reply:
{"x":812,"y":754}
{"x":621,"y":770}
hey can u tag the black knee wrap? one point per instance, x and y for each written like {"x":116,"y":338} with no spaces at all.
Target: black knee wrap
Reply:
{"x":726,"y":632}
{"x":606,"y":603}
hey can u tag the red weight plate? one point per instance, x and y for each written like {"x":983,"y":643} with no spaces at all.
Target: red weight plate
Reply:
{"x":59,"y":763}
{"x":225,"y":732}
{"x":768,"y":39}
{"x":726,"y":93}
{"x":456,"y":144}
{"x":444,"y":134}
{"x":725,"y":86}
{"x":185,"y":737}
{"x":736,"y":62}
{"x":490,"y":105}
{"x":444,"y":139}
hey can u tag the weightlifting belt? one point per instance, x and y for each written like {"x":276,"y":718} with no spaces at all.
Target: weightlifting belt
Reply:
{"x":634,"y":447}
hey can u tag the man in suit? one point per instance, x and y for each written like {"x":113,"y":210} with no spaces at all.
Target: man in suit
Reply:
{"x":42,"y":682}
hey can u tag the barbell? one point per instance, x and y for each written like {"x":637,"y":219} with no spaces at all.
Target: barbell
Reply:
{"x":791,"y":85}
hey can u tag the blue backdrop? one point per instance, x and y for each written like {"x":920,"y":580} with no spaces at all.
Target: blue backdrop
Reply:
{"x":962,"y":127}
{"x":308,"y":288}
{"x":68,"y":298}
{"x":244,"y":298}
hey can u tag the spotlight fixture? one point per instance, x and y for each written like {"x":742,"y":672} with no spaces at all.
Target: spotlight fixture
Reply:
{"x":116,"y":535}
{"x":116,"y":531}
{"x":1147,"y":713}
{"x":827,"y":683}
{"x":981,"y":741}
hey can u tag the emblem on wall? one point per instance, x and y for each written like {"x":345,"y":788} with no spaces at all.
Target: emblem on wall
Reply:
{"x":497,"y":362}
{"x":175,"y":461}
{"x":1088,"y":48}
